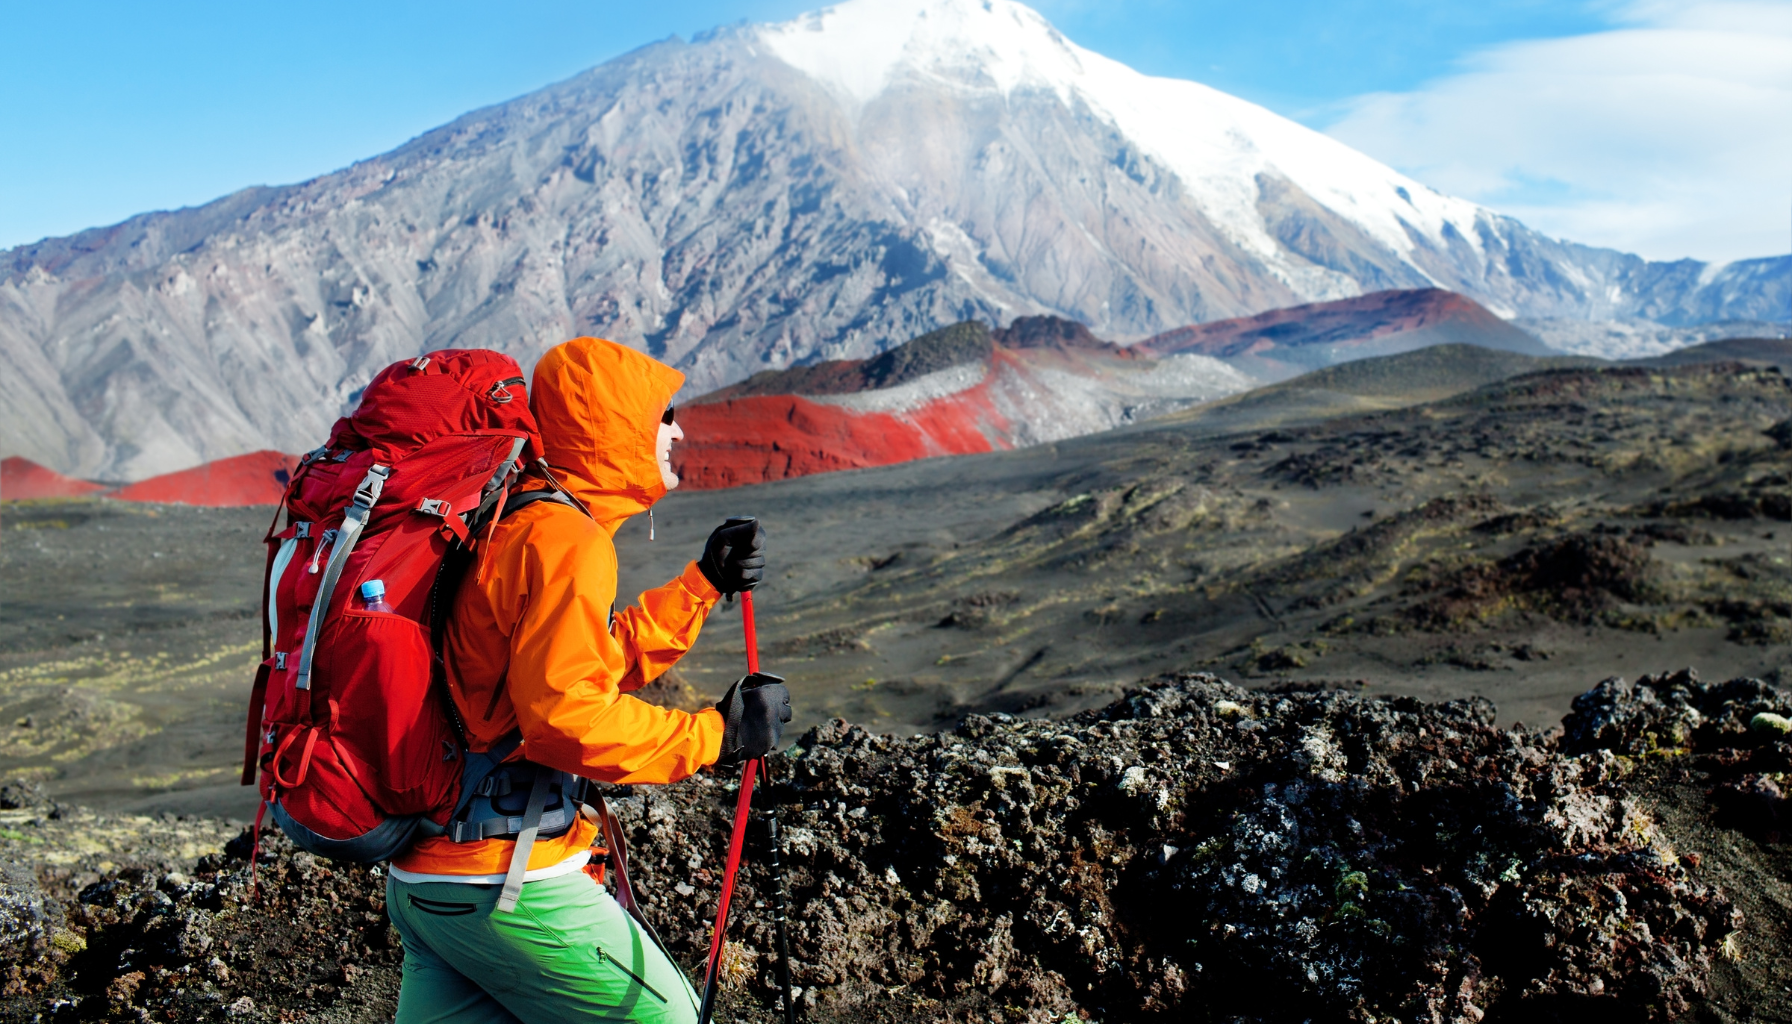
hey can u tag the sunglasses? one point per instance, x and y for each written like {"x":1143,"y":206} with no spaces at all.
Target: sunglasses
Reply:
{"x":667,"y":418}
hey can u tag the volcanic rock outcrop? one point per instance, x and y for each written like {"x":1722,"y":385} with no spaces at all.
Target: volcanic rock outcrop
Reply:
{"x":1192,"y":850}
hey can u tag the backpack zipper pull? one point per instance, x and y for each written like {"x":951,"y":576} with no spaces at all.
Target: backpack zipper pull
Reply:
{"x":650,"y":524}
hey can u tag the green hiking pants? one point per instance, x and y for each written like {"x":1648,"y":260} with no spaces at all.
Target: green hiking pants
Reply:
{"x":567,"y":952}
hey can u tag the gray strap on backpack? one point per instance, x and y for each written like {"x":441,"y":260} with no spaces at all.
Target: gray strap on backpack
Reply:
{"x":525,"y":843}
{"x":352,"y":522}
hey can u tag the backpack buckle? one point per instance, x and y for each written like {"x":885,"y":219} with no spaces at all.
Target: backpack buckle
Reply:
{"x":420,"y":363}
{"x":495,"y":784}
{"x":435,"y":507}
{"x":371,"y":485}
{"x":279,"y":661}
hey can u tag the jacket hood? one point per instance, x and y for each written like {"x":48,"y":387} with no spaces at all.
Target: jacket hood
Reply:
{"x":599,"y":405}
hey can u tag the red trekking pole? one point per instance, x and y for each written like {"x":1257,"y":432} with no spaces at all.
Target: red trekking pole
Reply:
{"x":735,"y":841}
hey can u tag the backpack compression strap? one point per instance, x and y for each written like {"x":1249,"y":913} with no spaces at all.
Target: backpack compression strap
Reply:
{"x":538,"y":790}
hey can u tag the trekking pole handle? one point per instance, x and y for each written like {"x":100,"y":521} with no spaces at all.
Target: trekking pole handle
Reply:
{"x":752,"y":633}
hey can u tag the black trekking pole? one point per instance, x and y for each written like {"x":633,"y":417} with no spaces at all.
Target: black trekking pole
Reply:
{"x":779,"y":916}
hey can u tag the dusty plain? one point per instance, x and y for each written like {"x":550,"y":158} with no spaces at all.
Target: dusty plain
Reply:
{"x":1427,"y":524}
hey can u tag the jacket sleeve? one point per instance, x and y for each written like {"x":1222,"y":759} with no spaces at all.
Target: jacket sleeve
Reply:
{"x":659,"y":629}
{"x":566,"y":669}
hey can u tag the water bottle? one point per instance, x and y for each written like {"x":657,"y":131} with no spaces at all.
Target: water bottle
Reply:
{"x":373,"y":592}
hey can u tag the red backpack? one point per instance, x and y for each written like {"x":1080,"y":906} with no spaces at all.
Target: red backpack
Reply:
{"x":350,"y":723}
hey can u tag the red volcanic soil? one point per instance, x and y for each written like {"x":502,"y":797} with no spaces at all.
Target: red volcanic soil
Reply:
{"x":786,"y":423}
{"x":21,"y":479}
{"x":968,"y":341}
{"x":773,"y":426}
{"x":258,"y":478}
{"x":760,"y":438}
{"x":764,"y":429}
{"x":1444,"y":315}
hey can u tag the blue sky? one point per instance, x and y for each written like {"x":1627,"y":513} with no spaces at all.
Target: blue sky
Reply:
{"x":110,"y":109}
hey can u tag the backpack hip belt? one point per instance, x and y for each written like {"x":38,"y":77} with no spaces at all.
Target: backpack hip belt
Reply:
{"x":496,"y":807}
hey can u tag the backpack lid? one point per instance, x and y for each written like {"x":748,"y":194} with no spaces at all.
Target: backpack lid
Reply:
{"x":448,"y":391}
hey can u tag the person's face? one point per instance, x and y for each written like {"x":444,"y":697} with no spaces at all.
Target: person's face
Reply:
{"x":670,"y":431}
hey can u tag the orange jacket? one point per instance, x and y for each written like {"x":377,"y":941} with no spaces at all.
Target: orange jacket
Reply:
{"x":532,"y":644}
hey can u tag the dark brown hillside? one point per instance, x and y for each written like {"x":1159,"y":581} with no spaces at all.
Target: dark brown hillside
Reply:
{"x":1284,"y":342}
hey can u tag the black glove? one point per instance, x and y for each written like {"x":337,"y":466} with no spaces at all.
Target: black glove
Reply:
{"x":755,"y":710}
{"x":734,"y":556}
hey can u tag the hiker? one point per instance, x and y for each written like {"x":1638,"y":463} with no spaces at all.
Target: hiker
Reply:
{"x":534,"y":649}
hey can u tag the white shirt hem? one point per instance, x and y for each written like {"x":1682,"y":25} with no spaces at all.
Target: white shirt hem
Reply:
{"x":576,"y":862}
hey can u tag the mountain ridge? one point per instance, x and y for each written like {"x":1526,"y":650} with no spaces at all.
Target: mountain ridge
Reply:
{"x":724,"y":210}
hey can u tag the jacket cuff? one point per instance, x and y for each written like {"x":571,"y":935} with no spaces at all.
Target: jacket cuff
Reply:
{"x":712,"y":725}
{"x":699,"y":585}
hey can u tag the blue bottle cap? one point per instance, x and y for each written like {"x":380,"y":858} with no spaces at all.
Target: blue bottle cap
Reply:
{"x":373,"y":590}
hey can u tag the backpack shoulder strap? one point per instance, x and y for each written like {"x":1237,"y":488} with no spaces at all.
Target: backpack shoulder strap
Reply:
{"x":449,"y":573}
{"x":460,"y":556}
{"x":523,"y":499}
{"x":356,"y":518}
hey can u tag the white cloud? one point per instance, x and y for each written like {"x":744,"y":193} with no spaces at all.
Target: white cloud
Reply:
{"x":1669,"y":135}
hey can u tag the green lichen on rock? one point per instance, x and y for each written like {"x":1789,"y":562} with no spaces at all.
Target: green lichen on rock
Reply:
{"x":1768,"y":723}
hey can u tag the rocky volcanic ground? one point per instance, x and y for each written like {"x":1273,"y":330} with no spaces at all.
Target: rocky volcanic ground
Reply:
{"x":1191,"y":852}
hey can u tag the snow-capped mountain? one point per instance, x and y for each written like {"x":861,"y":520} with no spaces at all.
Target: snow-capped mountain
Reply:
{"x":1224,"y":153}
{"x":760,"y":197}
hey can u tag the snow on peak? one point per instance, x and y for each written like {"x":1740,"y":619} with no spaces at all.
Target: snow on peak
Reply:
{"x":1216,"y":143}
{"x":855,"y":48}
